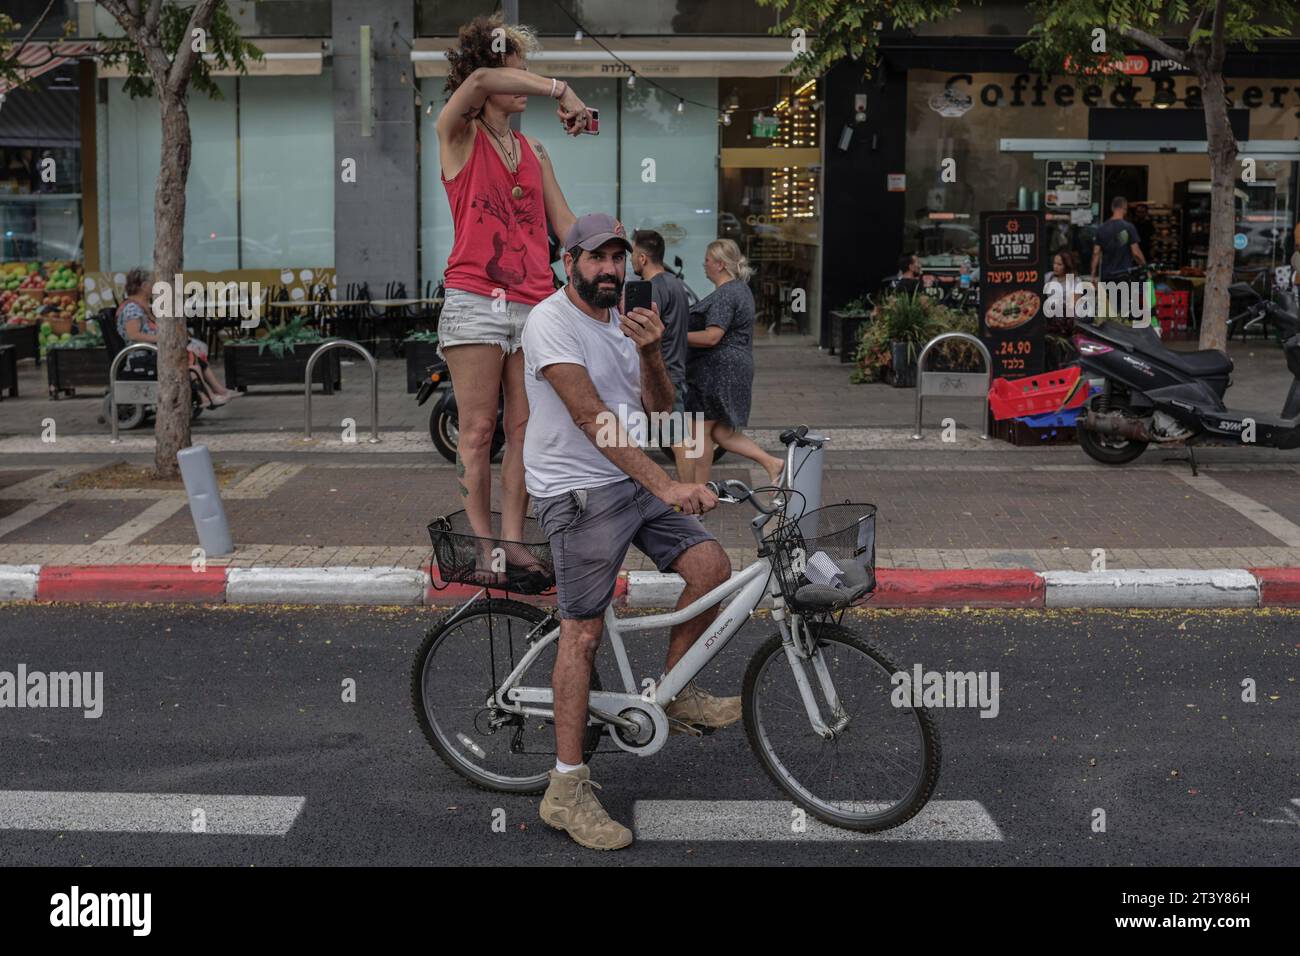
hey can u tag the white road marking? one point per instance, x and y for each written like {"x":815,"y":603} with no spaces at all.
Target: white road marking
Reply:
{"x":1268,"y":519}
{"x":146,"y":520}
{"x":772,"y":820}
{"x":26,"y":515}
{"x":223,"y":815}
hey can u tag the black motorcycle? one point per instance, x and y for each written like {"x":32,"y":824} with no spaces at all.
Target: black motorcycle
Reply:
{"x":1153,"y":394}
{"x":444,"y":418}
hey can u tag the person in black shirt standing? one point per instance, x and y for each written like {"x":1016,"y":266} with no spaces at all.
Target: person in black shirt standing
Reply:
{"x":667,"y":291}
{"x":1116,"y":249}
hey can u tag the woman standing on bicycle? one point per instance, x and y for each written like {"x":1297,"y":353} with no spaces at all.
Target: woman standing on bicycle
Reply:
{"x":503,"y":192}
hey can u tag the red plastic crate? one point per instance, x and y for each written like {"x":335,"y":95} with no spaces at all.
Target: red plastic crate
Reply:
{"x":1173,"y":305}
{"x":1035,"y":395}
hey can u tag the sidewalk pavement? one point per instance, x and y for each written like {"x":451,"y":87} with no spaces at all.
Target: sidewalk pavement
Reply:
{"x":937,"y":515}
{"x":970,"y":508}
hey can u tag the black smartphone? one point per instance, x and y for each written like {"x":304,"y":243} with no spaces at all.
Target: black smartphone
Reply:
{"x":636,"y":295}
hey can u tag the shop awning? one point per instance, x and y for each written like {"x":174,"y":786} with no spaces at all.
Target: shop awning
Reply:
{"x":280,"y":57}
{"x":657,"y":57}
{"x":36,"y":58}
{"x":1046,"y":148}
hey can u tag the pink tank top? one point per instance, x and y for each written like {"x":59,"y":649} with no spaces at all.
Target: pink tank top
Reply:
{"x":500,"y":241}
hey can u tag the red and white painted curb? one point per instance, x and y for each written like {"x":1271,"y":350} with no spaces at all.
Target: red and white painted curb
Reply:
{"x":896,"y":587}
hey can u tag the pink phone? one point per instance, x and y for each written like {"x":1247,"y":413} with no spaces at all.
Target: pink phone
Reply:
{"x":593,"y":127}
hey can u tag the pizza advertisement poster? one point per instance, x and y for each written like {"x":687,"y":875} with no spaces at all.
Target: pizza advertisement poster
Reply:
{"x":1012,"y":325}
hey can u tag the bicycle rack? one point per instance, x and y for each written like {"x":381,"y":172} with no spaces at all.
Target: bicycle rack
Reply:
{"x":953,"y":384}
{"x":112,"y":380}
{"x":374,"y":385}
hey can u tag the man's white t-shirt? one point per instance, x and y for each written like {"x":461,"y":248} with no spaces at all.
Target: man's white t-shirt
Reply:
{"x":558,"y":457}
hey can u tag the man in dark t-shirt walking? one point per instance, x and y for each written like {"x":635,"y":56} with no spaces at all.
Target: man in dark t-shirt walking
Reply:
{"x":1116,"y":249}
{"x":669,"y":294}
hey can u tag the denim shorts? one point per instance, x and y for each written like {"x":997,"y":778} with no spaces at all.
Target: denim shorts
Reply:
{"x":590,"y":530}
{"x":468,"y":318}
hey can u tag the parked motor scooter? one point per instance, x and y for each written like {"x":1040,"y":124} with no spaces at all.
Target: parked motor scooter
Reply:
{"x":1152,"y":394}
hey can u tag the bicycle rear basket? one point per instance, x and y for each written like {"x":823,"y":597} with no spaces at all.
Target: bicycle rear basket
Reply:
{"x":461,"y":556}
{"x":825,"y":559}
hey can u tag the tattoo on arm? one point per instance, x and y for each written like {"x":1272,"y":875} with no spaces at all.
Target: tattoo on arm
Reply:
{"x":537,"y":148}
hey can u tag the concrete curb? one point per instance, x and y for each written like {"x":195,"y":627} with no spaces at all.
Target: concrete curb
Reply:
{"x":897,"y":587}
{"x":18,"y":581}
{"x":1152,"y":588}
{"x":325,"y":586}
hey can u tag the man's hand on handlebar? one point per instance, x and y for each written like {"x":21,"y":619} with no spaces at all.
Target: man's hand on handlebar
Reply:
{"x":689,"y":499}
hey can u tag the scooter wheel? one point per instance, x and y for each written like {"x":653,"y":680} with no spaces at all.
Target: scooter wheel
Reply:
{"x":1109,"y":449}
{"x":444,"y":429}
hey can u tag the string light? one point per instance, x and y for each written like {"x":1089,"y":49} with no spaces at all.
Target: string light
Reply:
{"x":631,"y":81}
{"x":577,"y":36}
{"x":681,"y":105}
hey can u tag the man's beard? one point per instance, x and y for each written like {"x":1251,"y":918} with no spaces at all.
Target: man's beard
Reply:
{"x":592,"y":294}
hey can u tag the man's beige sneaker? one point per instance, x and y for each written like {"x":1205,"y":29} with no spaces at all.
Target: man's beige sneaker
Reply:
{"x":701,"y":709}
{"x":570,"y":805}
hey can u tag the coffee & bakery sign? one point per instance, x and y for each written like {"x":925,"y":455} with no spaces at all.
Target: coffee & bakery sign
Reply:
{"x":1132,"y":91}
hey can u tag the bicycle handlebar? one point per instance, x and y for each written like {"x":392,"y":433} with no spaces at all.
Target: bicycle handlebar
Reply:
{"x":734,"y":491}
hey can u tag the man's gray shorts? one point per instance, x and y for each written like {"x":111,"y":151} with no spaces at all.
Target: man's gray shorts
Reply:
{"x":589,"y":542}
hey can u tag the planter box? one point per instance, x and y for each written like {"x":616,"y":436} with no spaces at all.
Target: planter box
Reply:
{"x":70,"y":369}
{"x":8,"y":371}
{"x":26,"y":339}
{"x":419,"y":356}
{"x":245,"y":367}
{"x":902,"y":373}
{"x":845,"y":327}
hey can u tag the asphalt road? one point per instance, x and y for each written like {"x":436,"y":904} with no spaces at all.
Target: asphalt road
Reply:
{"x":1136,"y":714}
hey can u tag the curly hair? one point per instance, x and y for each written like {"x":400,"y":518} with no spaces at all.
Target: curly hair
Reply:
{"x":474,"y":47}
{"x":136,"y":279}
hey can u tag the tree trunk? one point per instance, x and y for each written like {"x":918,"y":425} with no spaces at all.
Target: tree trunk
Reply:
{"x":172,"y":421}
{"x":1222,"y":147}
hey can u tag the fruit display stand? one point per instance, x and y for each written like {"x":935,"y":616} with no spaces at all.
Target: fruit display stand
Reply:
{"x":70,"y":369}
{"x":46,"y":294}
{"x":25,"y":338}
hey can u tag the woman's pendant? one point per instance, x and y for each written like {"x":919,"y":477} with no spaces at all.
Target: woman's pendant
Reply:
{"x":517,"y":192}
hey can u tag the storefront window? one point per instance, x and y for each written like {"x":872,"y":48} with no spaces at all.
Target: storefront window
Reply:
{"x":957,"y":168}
{"x":40,"y":170}
{"x":261,"y":183}
{"x":770,"y":196}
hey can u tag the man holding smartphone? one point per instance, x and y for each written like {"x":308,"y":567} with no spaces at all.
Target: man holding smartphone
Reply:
{"x":595,"y":495}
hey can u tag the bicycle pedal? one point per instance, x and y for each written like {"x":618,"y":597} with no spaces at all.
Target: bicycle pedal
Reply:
{"x":682,"y":727}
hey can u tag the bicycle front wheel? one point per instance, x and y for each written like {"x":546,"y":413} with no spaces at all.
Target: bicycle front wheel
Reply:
{"x":457,"y":671}
{"x":881,"y":765}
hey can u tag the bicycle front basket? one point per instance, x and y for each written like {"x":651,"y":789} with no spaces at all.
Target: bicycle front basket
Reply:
{"x":826,"y":559}
{"x":461,"y":556}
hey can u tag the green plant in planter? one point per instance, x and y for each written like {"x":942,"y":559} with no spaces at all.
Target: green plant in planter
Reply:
{"x":430,"y":338}
{"x":859,"y":306}
{"x":282,"y":338}
{"x":913,"y":319}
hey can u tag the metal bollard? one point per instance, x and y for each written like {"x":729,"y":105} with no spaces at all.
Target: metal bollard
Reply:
{"x":205,"y":500}
{"x":807,"y":480}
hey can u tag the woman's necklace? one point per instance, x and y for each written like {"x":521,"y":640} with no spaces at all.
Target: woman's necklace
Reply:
{"x":510,"y":155}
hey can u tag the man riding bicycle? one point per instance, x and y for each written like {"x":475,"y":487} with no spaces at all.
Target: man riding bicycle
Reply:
{"x":596,"y":492}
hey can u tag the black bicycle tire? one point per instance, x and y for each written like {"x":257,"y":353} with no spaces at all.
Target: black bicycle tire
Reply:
{"x":497,"y":606}
{"x":928,"y":779}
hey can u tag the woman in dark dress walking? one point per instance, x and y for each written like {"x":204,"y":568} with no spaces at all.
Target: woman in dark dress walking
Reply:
{"x":720,"y":365}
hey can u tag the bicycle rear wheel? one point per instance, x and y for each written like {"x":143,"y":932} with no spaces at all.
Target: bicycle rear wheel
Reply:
{"x":456,"y":672}
{"x":879,"y":769}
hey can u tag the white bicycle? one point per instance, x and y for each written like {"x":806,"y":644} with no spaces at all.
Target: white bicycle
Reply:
{"x":817,"y":697}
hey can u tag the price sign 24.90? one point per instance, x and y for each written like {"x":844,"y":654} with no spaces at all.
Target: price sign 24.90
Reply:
{"x":1011,"y":282}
